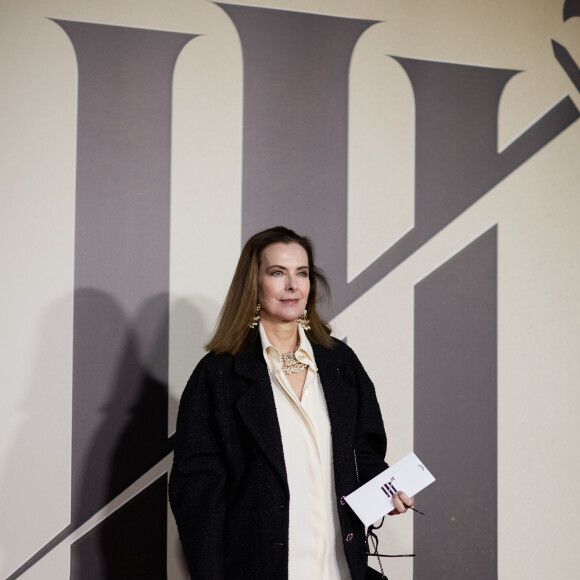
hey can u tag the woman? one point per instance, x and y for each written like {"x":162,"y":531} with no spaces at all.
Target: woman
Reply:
{"x":278,"y":422}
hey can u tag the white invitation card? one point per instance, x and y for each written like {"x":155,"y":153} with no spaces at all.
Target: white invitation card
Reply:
{"x":374,"y":499}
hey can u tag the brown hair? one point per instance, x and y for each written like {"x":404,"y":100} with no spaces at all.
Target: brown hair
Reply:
{"x":232,"y":333}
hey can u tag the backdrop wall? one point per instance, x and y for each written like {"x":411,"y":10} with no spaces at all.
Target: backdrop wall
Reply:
{"x":429,"y":149}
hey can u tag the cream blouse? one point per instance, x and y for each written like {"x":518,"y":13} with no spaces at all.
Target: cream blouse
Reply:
{"x":315,"y":543}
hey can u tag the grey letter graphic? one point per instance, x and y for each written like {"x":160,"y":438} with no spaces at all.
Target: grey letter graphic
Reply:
{"x":457,"y":160}
{"x":295,"y":136}
{"x":121,"y":290}
{"x":456,"y":415}
{"x":296,"y":70}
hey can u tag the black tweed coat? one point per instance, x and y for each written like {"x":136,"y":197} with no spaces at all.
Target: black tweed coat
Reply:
{"x":228,"y":488}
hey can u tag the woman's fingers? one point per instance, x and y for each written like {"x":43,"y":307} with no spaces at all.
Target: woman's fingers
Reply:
{"x":407,"y":501}
{"x":402,"y":502}
{"x":400,"y":508}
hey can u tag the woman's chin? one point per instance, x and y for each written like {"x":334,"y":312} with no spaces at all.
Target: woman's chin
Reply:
{"x":284,"y":318}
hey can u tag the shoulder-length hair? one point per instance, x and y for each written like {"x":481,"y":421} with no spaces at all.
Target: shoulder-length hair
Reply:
{"x":232,"y":333}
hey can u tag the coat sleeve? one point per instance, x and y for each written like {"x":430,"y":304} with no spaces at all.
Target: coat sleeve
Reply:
{"x":371,"y":440}
{"x":198,"y":478}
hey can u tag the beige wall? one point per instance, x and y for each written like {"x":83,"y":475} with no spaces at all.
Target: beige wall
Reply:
{"x":536,"y":209}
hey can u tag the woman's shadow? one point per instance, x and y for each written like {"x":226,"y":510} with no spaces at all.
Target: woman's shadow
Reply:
{"x":121,"y":432}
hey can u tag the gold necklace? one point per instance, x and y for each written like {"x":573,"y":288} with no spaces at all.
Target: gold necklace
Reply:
{"x":290,"y":364}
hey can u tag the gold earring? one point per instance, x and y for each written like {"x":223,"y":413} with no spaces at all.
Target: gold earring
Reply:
{"x":254,"y":322}
{"x":303,"y":320}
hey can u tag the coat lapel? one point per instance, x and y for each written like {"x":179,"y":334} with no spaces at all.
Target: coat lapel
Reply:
{"x":341,"y":401}
{"x":257,"y":408}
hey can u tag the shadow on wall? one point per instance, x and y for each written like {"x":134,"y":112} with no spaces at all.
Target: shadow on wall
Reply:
{"x":124,"y":430}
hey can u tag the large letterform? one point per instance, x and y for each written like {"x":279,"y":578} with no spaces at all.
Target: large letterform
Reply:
{"x":295,"y":126}
{"x":456,"y":157}
{"x":121,"y":289}
{"x":456,"y":414}
{"x":295,"y":136}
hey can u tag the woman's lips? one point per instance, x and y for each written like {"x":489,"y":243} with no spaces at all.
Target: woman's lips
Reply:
{"x":290,"y":301}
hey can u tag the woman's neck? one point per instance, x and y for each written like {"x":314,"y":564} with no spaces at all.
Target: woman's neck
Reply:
{"x":282,"y":335}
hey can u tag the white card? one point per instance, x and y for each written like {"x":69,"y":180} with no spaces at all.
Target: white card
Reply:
{"x":374,"y":499}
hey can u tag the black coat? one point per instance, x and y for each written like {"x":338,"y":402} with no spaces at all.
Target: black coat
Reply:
{"x":228,"y":488}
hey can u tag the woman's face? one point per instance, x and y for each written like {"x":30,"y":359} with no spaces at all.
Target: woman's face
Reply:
{"x":283,"y":282}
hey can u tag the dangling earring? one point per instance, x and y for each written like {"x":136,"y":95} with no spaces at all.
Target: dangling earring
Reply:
{"x":254,"y":322}
{"x":303,"y":320}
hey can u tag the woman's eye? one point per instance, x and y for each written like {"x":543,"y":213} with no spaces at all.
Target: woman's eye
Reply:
{"x":277,"y":273}
{"x":303,"y":274}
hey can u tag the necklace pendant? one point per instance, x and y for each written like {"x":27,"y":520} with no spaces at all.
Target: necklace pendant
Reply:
{"x":290,"y":364}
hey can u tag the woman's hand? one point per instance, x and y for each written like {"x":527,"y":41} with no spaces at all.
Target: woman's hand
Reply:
{"x":402,"y":503}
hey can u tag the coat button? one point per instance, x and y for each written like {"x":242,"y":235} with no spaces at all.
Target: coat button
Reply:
{"x":342,"y":500}
{"x":349,"y":536}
